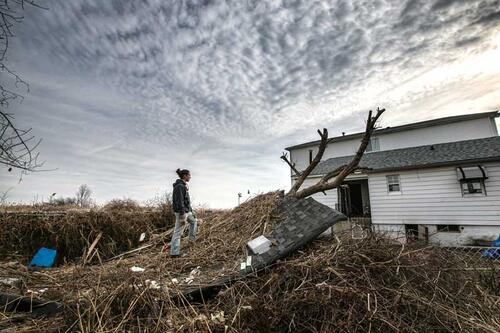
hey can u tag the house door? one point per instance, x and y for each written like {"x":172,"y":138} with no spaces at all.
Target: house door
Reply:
{"x":354,"y":198}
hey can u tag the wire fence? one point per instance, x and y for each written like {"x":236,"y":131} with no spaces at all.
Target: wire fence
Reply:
{"x":469,"y":257}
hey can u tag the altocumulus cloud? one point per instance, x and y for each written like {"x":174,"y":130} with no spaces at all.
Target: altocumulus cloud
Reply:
{"x":125,"y":92}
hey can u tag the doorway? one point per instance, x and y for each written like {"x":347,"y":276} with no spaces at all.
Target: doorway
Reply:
{"x":354,"y":198}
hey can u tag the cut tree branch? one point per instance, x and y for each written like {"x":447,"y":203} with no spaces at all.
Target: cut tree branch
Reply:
{"x":284,"y":157}
{"x":340,"y":173}
{"x":304,"y":174}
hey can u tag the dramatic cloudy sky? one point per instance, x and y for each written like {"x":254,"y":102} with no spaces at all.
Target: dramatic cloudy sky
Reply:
{"x":124,"y":92}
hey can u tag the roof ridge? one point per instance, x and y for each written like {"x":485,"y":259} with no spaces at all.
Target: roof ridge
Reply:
{"x":408,"y":126}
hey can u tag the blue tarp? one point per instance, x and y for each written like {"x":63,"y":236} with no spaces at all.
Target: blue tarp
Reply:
{"x":493,"y":253}
{"x":43,"y":258}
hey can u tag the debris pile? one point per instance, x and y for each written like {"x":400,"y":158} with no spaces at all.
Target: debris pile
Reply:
{"x":335,"y":284}
{"x":72,"y":231}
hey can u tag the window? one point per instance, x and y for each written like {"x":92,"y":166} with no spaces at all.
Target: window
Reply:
{"x":373,"y":145}
{"x":472,"y":180}
{"x":448,"y":228}
{"x":472,"y":186}
{"x":393,"y":184}
{"x":310,"y":156}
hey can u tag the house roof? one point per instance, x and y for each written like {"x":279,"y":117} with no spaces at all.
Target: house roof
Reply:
{"x":422,"y":124}
{"x":442,"y":154}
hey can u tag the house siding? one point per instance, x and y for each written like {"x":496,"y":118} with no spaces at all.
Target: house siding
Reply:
{"x":330,"y":199}
{"x":430,"y":197}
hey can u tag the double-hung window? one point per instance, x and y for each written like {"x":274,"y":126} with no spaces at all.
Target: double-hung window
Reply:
{"x":393,"y":184}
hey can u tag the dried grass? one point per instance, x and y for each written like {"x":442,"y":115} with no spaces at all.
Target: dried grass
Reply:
{"x":72,"y":231}
{"x":333,"y":285}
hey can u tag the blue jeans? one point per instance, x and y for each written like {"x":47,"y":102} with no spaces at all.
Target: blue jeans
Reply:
{"x":175,"y":243}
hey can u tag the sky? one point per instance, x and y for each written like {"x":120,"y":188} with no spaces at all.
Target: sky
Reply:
{"x":125,"y":92}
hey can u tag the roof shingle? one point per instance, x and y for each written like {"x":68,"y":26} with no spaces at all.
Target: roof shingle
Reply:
{"x":468,"y":151}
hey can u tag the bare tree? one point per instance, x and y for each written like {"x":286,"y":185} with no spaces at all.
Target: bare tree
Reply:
{"x":83,"y":196}
{"x":333,"y":178}
{"x":4,"y":196}
{"x":17,"y":145}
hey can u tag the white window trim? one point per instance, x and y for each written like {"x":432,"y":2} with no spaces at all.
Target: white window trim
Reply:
{"x":469,"y":195}
{"x":370,"y":147}
{"x":387,"y":185}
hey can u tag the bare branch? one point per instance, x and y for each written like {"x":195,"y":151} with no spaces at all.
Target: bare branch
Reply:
{"x":340,"y":173}
{"x":17,"y":146}
{"x":284,"y":157}
{"x":304,"y":174}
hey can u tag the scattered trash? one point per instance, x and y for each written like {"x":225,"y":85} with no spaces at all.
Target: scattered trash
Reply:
{"x":218,"y":317}
{"x":245,"y":264}
{"x":174,"y":280}
{"x":152,"y":284}
{"x":13,"y":282}
{"x":259,"y":245}
{"x":137,"y":269}
{"x":189,"y":280}
{"x":43,"y":290}
{"x":201,"y":317}
{"x":142,"y":237}
{"x":165,"y":248}
{"x":44,"y":257}
{"x":246,"y":307}
{"x":195,"y":271}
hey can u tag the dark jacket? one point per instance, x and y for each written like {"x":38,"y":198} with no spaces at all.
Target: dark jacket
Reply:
{"x":180,"y":198}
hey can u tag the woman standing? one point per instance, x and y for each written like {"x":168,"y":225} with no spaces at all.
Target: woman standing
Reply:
{"x":182,"y":209}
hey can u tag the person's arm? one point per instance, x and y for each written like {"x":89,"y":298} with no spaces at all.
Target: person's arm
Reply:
{"x":178,"y":199}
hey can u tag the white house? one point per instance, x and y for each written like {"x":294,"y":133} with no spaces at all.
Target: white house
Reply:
{"x":437,"y":180}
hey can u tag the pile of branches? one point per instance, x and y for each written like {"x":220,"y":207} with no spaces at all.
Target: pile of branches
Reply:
{"x":367,"y":285}
{"x":333,"y":285}
{"x":72,"y":231}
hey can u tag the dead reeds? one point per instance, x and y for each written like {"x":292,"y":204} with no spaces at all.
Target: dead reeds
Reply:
{"x":335,"y":284}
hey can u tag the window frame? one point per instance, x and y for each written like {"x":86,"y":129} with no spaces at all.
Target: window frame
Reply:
{"x":446,"y":227}
{"x":388,"y":183}
{"x":464,"y":178}
{"x":470,"y":181}
{"x":371,"y":145}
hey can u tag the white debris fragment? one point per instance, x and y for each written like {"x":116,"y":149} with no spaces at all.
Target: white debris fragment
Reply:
{"x":43,"y":290}
{"x":137,"y":269}
{"x":174,"y":280}
{"x":189,"y":280}
{"x":249,"y":261}
{"x":201,"y":317}
{"x":243,"y":265}
{"x":259,"y":245}
{"x":152,"y":284}
{"x":142,"y":237}
{"x":10,"y":281}
{"x":195,"y":272}
{"x":218,"y":317}
{"x":246,"y":307}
